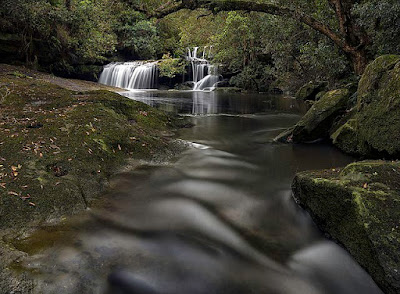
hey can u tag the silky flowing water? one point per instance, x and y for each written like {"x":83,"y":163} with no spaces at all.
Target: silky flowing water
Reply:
{"x":218,"y":219}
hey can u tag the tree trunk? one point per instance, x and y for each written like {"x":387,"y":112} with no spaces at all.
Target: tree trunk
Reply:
{"x":359,"y":61}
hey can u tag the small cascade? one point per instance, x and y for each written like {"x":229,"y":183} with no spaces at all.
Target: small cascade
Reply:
{"x":207,"y":83}
{"x":130,"y":75}
{"x":204,"y":74}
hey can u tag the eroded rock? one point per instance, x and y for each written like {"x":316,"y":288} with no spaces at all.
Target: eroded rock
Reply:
{"x":359,"y":207}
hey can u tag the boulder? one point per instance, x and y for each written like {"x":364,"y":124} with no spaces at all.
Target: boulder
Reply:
{"x":359,"y":207}
{"x":317,"y":122}
{"x":374,"y":128}
{"x":320,"y":95}
{"x":310,"y":90}
{"x":185,"y":86}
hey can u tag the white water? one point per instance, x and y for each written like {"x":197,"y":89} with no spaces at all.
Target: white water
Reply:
{"x":130,"y":75}
{"x":205,"y":75}
{"x":207,"y":83}
{"x":144,"y":75}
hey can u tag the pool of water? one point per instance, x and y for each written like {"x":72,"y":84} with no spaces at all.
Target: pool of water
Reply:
{"x":219,"y":219}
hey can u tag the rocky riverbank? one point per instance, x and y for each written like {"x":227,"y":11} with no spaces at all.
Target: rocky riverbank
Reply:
{"x":358,"y":206}
{"x":61,"y":140}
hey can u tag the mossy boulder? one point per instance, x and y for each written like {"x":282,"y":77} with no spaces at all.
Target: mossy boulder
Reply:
{"x":310,"y":90}
{"x":58,"y":147}
{"x":359,"y":207}
{"x":375,"y":125}
{"x":317,"y":122}
{"x":320,"y":95}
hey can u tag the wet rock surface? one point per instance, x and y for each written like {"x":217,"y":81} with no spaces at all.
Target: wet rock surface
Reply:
{"x":359,"y":207}
{"x":316,"y":123}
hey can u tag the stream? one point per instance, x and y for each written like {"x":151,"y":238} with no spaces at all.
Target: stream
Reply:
{"x":218,"y":219}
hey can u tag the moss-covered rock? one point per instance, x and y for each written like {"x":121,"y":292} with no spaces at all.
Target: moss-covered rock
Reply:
{"x":320,"y":95}
{"x":359,"y":206}
{"x":58,"y":147}
{"x":346,"y":137}
{"x":375,"y":124}
{"x":310,"y":90}
{"x":317,"y":122}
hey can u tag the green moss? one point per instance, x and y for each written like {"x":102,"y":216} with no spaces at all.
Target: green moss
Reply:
{"x":320,"y":95}
{"x":310,"y":90}
{"x":317,"y":122}
{"x":345,"y":137}
{"x":370,"y":79}
{"x":373,"y":129}
{"x":66,"y":145}
{"x":359,"y":207}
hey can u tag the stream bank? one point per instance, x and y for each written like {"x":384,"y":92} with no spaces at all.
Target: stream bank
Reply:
{"x":359,"y":206}
{"x":61,"y":141}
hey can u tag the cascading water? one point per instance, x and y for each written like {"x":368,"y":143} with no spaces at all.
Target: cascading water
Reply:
{"x":130,"y":75}
{"x":205,"y":75}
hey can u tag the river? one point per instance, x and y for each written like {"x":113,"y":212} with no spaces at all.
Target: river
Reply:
{"x":218,"y":219}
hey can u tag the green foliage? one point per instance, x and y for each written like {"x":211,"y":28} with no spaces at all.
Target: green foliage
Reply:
{"x":137,"y":35}
{"x":381,"y":19}
{"x":256,"y":48}
{"x":239,"y":47}
{"x":92,"y":34}
{"x":87,"y":32}
{"x":169,"y":67}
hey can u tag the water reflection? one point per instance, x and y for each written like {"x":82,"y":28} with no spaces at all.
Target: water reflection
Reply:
{"x":219,"y":220}
{"x":205,"y":103}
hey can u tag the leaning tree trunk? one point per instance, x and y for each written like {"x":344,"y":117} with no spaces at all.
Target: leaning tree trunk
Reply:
{"x":359,"y":61}
{"x":355,"y":38}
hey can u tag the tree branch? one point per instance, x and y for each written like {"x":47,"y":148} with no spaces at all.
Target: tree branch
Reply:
{"x":229,"y":5}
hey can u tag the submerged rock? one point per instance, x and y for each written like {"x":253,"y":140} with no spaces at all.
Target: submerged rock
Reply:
{"x":310,"y":90}
{"x":374,"y":128}
{"x":317,"y":122}
{"x":359,"y":207}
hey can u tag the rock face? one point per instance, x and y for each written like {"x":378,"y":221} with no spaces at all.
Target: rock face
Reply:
{"x":317,"y":122}
{"x":374,"y":128}
{"x":310,"y":90}
{"x":359,"y":207}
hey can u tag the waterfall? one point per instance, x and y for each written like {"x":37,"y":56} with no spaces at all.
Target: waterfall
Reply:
{"x":203,"y":73}
{"x":130,"y":75}
{"x":207,"y":83}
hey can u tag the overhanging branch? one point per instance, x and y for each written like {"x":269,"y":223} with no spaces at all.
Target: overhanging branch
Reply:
{"x":230,"y":5}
